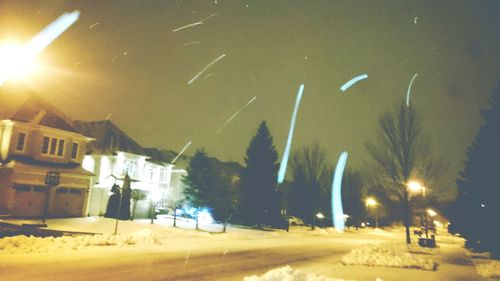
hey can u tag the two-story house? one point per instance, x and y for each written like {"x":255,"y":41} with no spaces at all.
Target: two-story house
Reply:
{"x":112,"y":155}
{"x":41,"y":153}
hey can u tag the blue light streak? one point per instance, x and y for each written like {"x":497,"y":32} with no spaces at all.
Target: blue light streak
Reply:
{"x":284,"y":160}
{"x":352,"y":81}
{"x":52,"y":31}
{"x":337,"y":211}
{"x":408,"y":93}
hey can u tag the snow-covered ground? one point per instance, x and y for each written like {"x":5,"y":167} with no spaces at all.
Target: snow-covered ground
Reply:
{"x":145,"y":251}
{"x":287,"y":273}
{"x":394,"y":254}
{"x":489,"y":269}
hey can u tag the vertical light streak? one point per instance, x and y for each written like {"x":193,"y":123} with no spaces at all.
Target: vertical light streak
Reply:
{"x":408,"y":93}
{"x":284,"y":160}
{"x":337,"y":211}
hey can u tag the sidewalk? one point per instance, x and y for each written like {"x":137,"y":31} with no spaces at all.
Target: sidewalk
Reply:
{"x":454,"y":265}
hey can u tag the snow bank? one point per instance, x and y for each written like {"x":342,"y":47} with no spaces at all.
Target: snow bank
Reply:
{"x":389,"y":255}
{"x":24,"y":244}
{"x":490,"y":269}
{"x":287,"y":273}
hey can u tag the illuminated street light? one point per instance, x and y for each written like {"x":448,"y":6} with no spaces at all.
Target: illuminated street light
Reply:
{"x":16,"y":62}
{"x":416,"y":187}
{"x":431,"y":212}
{"x":372,"y":203}
{"x":320,"y":216}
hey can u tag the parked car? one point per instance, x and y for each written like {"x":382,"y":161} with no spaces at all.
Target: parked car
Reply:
{"x":294,"y":220}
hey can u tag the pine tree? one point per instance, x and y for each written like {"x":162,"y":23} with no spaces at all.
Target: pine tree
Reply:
{"x":125,"y":199}
{"x":475,"y":211}
{"x":198,"y":181}
{"x":258,"y":198}
{"x":113,"y":202}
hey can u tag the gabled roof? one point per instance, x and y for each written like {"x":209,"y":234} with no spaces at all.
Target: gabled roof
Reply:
{"x":108,"y":138}
{"x":28,"y":107}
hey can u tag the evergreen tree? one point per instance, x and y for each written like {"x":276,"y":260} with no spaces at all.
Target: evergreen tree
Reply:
{"x":198,"y":181}
{"x":258,"y":197}
{"x":475,"y":211}
{"x":113,"y":202}
{"x":125,"y":199}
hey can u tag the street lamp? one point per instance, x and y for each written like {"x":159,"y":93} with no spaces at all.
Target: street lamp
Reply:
{"x":320,"y":216}
{"x":416,"y":187}
{"x":16,"y":61}
{"x":431,"y":212}
{"x":372,"y":203}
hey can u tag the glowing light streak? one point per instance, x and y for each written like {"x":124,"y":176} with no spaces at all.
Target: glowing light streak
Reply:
{"x":408,"y":93}
{"x":18,"y":60}
{"x":236,"y":113}
{"x":187,"y":26}
{"x":52,"y":31}
{"x":338,"y":213}
{"x":182,"y":151}
{"x":190,"y":43}
{"x":93,"y":25}
{"x":209,"y":17}
{"x":205,"y":69}
{"x":351,"y":82}
{"x":284,"y":160}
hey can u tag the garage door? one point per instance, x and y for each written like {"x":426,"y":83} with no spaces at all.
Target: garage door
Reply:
{"x":68,"y":202}
{"x":29,"y":200}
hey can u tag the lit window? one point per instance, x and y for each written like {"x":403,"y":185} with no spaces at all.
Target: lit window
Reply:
{"x":20,"y":141}
{"x":45,"y":146}
{"x":74,"y":151}
{"x":60,"y":148}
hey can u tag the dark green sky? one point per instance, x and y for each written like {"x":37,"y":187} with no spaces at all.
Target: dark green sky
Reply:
{"x":271,"y":47}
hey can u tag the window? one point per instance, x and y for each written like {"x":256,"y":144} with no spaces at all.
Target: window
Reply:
{"x":39,"y":189}
{"x":20,"y":141}
{"x":130,"y":167}
{"x":74,"y":151}
{"x":53,"y":146}
{"x":75,"y":191}
{"x":45,"y":146}
{"x":60,"y":148}
{"x":62,"y":190}
{"x":22,"y":187}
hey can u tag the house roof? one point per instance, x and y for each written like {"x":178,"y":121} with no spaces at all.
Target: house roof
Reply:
{"x":25,"y":106}
{"x":109,"y":139}
{"x":42,"y":167}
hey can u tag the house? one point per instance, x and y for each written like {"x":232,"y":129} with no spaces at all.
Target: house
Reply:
{"x":112,"y":155}
{"x":41,"y":155}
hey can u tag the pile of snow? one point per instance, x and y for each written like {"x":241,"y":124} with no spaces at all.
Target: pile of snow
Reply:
{"x":389,"y":255}
{"x":24,"y":244}
{"x":287,"y":273}
{"x":490,"y":269}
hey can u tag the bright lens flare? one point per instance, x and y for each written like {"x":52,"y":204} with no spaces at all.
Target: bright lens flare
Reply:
{"x":16,"y":62}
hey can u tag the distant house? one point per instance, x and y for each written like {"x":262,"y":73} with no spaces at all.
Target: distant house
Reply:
{"x":112,"y":155}
{"x":37,"y":140}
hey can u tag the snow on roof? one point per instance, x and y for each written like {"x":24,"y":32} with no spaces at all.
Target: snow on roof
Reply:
{"x":109,"y":139}
{"x":24,"y":106}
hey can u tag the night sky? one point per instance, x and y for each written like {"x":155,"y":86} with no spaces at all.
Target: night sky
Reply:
{"x":133,"y":66}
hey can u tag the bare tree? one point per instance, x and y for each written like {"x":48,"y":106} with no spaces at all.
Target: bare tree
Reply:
{"x":309,"y":181}
{"x":401,"y":154}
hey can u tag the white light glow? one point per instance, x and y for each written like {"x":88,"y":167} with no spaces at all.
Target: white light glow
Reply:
{"x":16,"y":61}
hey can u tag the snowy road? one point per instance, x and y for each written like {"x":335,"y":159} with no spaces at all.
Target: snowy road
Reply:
{"x":215,"y":260}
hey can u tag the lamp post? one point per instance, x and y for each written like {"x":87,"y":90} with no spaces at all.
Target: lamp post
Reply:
{"x":372,"y":203}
